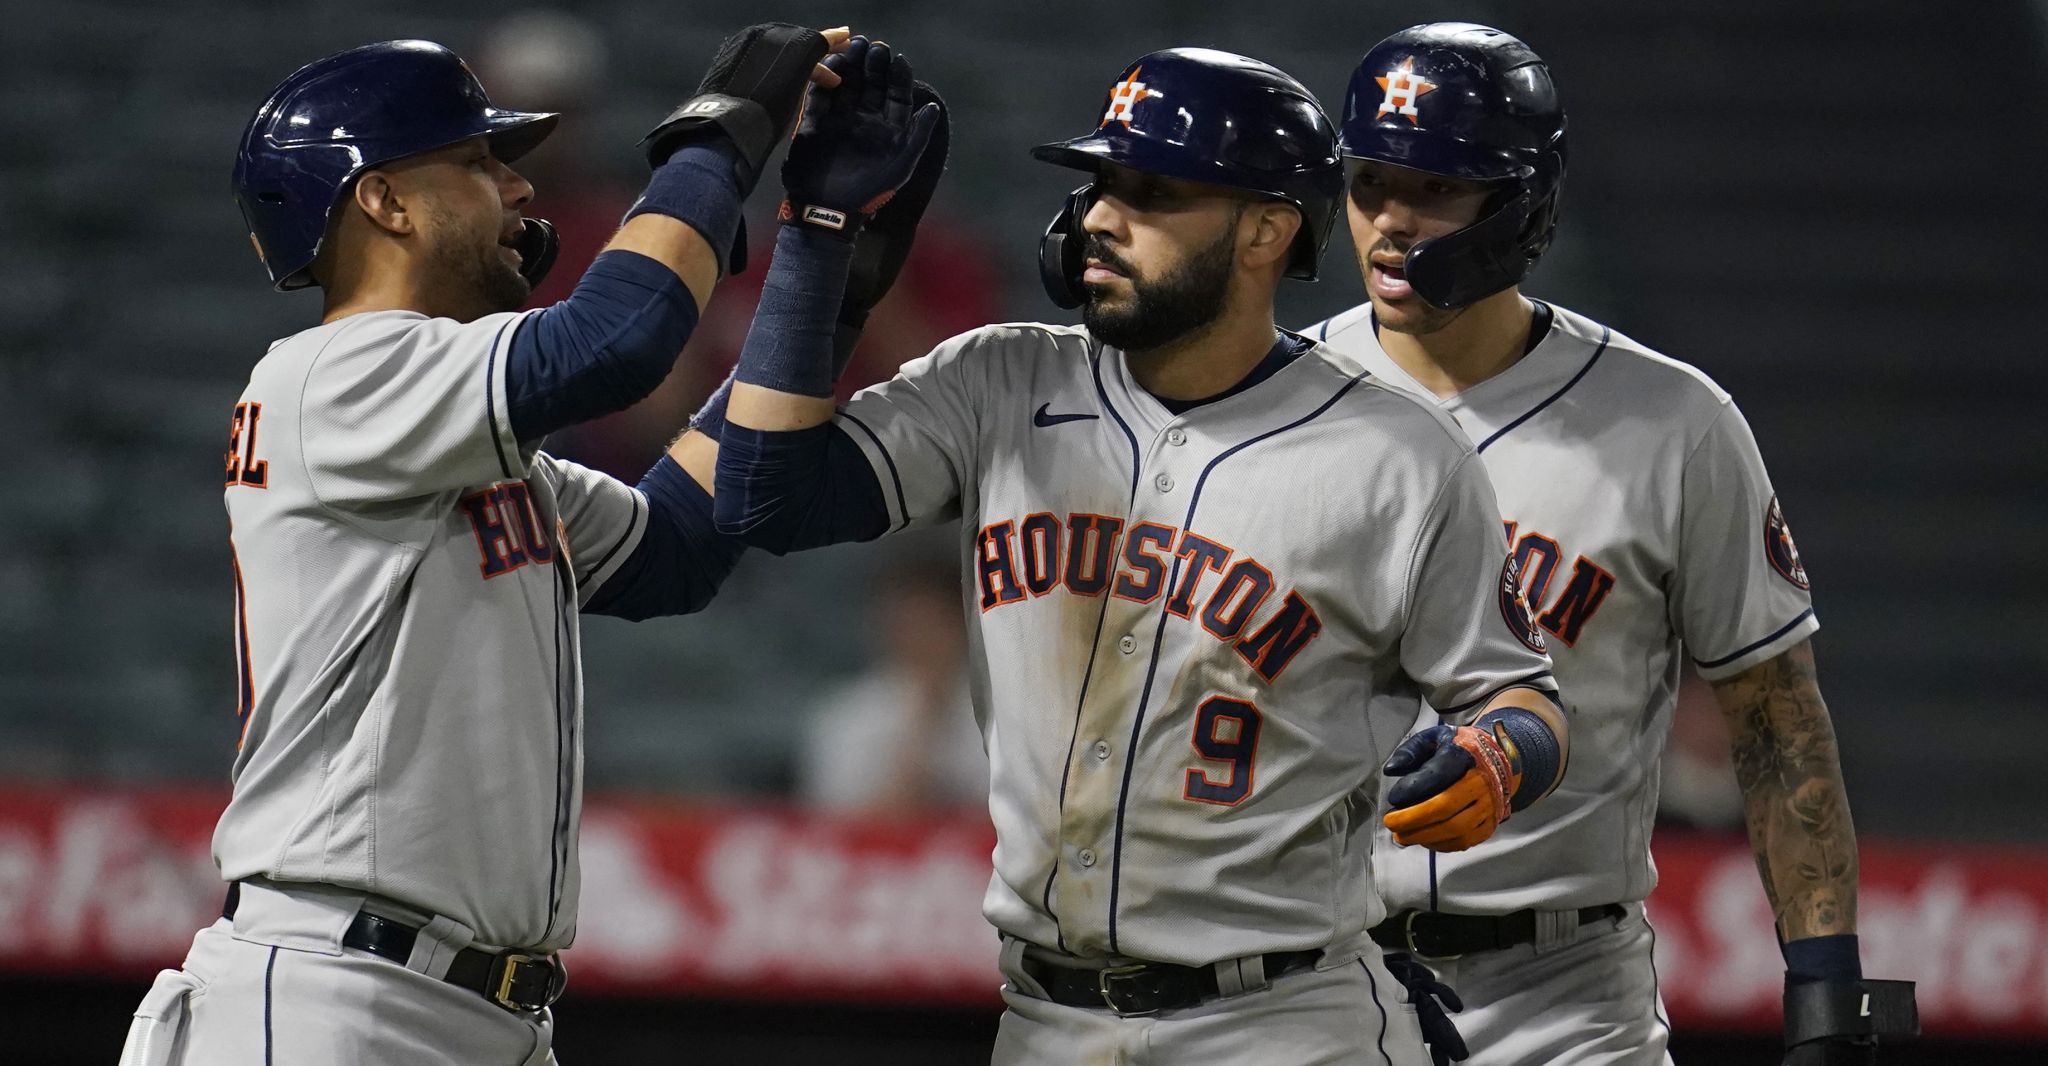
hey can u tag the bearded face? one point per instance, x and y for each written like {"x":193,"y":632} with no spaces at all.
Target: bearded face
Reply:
{"x":1143,"y":307}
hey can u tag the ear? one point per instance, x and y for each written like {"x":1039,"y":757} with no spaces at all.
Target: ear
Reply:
{"x":1272,"y":226}
{"x":381,"y":203}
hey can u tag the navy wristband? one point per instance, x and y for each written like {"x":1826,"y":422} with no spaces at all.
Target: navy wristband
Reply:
{"x":790,"y":346}
{"x":698,"y":188}
{"x":1823,"y":958}
{"x":1542,"y":757}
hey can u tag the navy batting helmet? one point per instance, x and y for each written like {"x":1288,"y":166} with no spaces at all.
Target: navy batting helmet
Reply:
{"x":1208,"y":116}
{"x":337,"y":117}
{"x":1470,"y":102}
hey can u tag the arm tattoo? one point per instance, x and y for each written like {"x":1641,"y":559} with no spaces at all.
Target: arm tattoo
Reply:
{"x":1791,"y":777}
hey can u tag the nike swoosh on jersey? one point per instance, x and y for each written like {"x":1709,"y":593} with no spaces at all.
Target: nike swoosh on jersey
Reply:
{"x":1041,"y":419}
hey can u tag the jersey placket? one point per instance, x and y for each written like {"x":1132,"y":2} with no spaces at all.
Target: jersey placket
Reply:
{"x":1122,"y":696}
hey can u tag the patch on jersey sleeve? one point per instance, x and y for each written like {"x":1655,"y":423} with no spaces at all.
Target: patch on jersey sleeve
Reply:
{"x":1514,"y":608}
{"x":1779,"y":549}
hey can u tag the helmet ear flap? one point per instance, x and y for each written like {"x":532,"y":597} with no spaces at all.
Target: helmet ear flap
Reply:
{"x":537,"y":247}
{"x":1061,"y":252}
{"x":1468,"y":265}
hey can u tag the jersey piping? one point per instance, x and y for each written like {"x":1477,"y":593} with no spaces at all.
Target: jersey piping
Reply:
{"x":1709,"y":664}
{"x":1605,"y":335}
{"x":1088,"y":672}
{"x":895,"y":478}
{"x":1158,"y":643}
{"x":491,"y":401}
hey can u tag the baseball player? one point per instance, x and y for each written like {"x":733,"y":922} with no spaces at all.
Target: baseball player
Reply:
{"x":1644,"y":527}
{"x":1213,"y":571}
{"x":409,"y":566}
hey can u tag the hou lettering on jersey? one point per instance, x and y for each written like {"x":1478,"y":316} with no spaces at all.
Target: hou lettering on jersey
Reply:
{"x":1089,"y":554}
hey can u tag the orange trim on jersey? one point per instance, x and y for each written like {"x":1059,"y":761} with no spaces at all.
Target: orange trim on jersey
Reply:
{"x":1102,"y":533}
{"x":232,"y":463}
{"x":995,"y":563}
{"x":255,"y":472}
{"x":1280,"y":641}
{"x":1143,"y":531}
{"x":1534,"y":587}
{"x":243,"y":468}
{"x":1040,"y":580}
{"x":1579,"y":602}
{"x":1219,"y":601}
{"x":1202,"y":556}
{"x":486,"y":510}
{"x":1246,"y":739}
{"x":537,"y":546}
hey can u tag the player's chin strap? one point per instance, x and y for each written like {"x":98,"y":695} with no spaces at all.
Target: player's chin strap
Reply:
{"x":1838,"y":1022}
{"x":537,"y":247}
{"x":1062,"y":251}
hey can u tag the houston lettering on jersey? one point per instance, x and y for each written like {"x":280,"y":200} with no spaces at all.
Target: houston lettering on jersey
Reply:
{"x":1538,"y":558}
{"x":1089,"y":554}
{"x":508,"y":532}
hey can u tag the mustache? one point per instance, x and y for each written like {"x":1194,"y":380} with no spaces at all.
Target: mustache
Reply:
{"x":1096,"y":248}
{"x":1385,"y":245}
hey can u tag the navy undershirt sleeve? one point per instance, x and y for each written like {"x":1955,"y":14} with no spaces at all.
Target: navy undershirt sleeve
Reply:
{"x":601,"y":350}
{"x":681,"y":558}
{"x":789,"y":490}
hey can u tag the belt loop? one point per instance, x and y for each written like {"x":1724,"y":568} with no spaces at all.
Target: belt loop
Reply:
{"x":438,"y":943}
{"x":1237,"y":977}
{"x":1555,"y":929}
{"x":1011,"y":963}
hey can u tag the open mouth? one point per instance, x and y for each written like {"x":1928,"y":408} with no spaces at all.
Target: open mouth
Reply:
{"x":1390,"y":279}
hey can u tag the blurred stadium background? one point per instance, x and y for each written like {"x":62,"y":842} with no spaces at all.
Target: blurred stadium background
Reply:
{"x":1831,"y":208}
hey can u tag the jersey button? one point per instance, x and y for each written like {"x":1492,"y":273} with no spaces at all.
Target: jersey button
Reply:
{"x":1102,"y":749}
{"x":1087,"y":857}
{"x":1127,"y":644}
{"x":1176,"y":436}
{"x":1163,"y":483}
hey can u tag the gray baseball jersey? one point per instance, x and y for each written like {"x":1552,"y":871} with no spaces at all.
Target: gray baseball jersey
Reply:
{"x":1194,"y":637}
{"x":1644,"y":527}
{"x":407,"y":579}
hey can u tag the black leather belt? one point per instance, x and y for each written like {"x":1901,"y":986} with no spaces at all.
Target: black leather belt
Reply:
{"x":1432,"y":935}
{"x":517,"y":981}
{"x":1143,"y":988}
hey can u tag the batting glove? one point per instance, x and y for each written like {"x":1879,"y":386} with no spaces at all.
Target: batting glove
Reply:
{"x":1433,"y":1001}
{"x":857,"y":143}
{"x":1455,"y":787}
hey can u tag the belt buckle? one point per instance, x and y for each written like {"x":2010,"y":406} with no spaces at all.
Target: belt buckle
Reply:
{"x":1408,"y":939}
{"x":506,"y":970}
{"x":1125,"y":992}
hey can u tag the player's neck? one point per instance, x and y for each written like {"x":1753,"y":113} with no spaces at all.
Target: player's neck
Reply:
{"x":1488,"y":338}
{"x":386,"y":282}
{"x":1209,"y":360}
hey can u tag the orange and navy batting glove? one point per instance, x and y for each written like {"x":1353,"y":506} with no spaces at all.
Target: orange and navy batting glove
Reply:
{"x":1459,"y":783}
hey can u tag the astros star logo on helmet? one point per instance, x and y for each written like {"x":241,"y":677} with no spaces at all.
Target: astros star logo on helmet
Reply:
{"x":1125,"y":97}
{"x":1403,"y":87}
